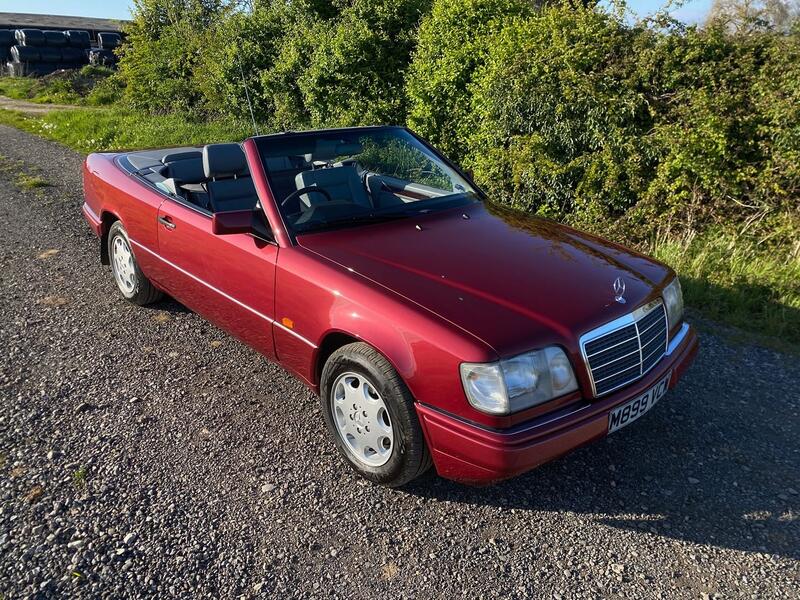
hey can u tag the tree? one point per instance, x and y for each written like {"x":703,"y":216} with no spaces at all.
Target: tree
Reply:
{"x":750,"y":16}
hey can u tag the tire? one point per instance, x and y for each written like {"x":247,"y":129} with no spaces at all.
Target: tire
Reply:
{"x":130,"y":280}
{"x":353,"y":416}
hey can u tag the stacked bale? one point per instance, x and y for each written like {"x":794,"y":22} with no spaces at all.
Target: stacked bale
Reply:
{"x":76,"y":53}
{"x":104,"y":55}
{"x":40,"y":52}
{"x":7,"y":39}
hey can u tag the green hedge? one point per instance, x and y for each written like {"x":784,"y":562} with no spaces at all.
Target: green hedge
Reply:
{"x":642,"y":131}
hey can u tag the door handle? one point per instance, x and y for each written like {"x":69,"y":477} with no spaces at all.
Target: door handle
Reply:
{"x":166,"y":222}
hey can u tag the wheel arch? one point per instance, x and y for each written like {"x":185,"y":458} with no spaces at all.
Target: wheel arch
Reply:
{"x":107,"y":219}
{"x":330,"y":343}
{"x":335,"y":339}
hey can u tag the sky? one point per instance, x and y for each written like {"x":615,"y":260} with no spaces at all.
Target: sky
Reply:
{"x":693,"y":11}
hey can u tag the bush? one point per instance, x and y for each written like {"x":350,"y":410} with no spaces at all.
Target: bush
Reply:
{"x":454,"y":39}
{"x":281,"y":81}
{"x":246,"y":45}
{"x":358,"y":62}
{"x":560,"y":122}
{"x":634,"y":131}
{"x":164,"y":43}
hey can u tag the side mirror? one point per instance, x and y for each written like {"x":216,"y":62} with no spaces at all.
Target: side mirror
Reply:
{"x":233,"y":221}
{"x":242,"y":221}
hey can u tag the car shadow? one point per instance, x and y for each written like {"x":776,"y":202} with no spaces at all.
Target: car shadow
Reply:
{"x":168,"y":304}
{"x":715,"y":463}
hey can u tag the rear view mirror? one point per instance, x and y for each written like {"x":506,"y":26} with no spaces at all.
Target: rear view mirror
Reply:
{"x":233,"y":221}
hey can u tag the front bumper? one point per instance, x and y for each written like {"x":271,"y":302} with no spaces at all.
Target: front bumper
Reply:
{"x":469,"y":453}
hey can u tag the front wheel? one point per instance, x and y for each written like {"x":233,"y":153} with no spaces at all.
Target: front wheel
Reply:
{"x":370,"y":413}
{"x":129,"y":277}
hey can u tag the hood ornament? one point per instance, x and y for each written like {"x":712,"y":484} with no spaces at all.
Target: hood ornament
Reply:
{"x":619,"y":290}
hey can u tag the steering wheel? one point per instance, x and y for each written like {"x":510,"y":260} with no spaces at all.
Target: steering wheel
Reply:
{"x":306,"y":190}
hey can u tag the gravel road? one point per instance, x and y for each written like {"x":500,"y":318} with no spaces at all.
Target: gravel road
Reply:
{"x":145,"y":452}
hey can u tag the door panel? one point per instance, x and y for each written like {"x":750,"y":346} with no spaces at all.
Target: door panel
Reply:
{"x":228,"y":279}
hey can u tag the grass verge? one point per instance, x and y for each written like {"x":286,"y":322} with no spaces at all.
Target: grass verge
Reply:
{"x":90,"y":85}
{"x":732,"y":279}
{"x":19,"y":88}
{"x":97,"y":129}
{"x":726,"y":277}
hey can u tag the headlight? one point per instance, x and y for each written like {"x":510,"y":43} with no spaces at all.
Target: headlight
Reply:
{"x":520,"y":382}
{"x":673,"y":300}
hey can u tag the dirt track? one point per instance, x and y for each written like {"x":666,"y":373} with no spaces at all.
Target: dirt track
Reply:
{"x":31,"y":108}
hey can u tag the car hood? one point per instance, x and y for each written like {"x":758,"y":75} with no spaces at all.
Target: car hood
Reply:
{"x":514,"y":281}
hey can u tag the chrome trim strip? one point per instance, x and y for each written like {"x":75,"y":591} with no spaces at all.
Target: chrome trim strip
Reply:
{"x":270,"y":320}
{"x":552,"y":418}
{"x":676,"y":341}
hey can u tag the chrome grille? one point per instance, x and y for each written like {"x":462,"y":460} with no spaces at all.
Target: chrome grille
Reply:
{"x":622,"y":351}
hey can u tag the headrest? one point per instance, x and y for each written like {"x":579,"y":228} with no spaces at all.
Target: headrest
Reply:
{"x":188,"y":170}
{"x":183,"y":155}
{"x":223,"y":160}
{"x":327,"y":149}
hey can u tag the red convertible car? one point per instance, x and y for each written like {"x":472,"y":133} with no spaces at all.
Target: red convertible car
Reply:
{"x":436,"y":327}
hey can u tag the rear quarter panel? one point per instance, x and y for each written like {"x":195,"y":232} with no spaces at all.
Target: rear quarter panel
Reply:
{"x":112,"y":194}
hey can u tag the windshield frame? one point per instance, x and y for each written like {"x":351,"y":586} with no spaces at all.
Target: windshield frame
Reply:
{"x":370,"y":216}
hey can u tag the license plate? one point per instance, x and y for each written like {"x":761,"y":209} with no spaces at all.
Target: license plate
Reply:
{"x":632,"y":410}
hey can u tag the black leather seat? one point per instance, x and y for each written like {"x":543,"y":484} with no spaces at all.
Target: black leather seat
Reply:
{"x":342,"y":184}
{"x":229,"y":184}
{"x":185,"y":176}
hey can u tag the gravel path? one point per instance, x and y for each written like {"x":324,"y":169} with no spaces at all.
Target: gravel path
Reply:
{"x":143,"y":451}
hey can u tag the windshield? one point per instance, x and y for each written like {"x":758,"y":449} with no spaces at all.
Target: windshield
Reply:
{"x":328,"y":179}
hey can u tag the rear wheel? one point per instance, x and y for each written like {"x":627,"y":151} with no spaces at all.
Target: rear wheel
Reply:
{"x":131,"y":282}
{"x":370,"y":413}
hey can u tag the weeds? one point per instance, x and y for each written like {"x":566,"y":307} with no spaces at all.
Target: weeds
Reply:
{"x":30,"y":182}
{"x":86,"y":86}
{"x":79,"y":479}
{"x":15,"y":170}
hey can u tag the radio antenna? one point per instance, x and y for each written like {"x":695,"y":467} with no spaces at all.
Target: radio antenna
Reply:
{"x":247,"y":95}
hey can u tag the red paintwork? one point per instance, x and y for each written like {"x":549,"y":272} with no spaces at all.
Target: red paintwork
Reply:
{"x":467,"y":285}
{"x":232,"y":221}
{"x":476,"y":455}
